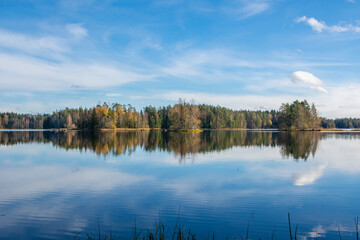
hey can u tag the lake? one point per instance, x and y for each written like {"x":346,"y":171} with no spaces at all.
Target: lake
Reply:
{"x":63,"y":185}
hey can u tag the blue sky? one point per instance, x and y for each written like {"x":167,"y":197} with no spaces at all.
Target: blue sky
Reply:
{"x":234,"y":53}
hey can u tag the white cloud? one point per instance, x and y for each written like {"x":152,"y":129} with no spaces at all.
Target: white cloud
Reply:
{"x":305,"y":77}
{"x":315,"y":24}
{"x":27,"y":73}
{"x":151,"y":43}
{"x":209,"y":65}
{"x":113,"y":94}
{"x":319,"y":89}
{"x":252,"y":8}
{"x":224,"y":64}
{"x":341,"y":101}
{"x":27,"y":106}
{"x":182,"y":45}
{"x":77,"y":30}
{"x":29,"y":44}
{"x":15,"y":94}
{"x":320,"y":26}
{"x":22,"y":70}
{"x":301,"y":77}
{"x":244,"y":9}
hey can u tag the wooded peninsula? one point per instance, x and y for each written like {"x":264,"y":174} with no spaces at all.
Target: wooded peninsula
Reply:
{"x":181,"y":116}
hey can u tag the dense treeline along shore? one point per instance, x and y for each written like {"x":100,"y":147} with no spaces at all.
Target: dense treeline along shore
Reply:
{"x":183,"y":115}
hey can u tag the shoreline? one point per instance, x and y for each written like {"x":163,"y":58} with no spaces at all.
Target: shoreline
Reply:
{"x":198,"y":130}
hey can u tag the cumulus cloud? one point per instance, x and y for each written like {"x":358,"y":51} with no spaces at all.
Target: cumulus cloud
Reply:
{"x":77,"y":30}
{"x":320,"y":26}
{"x":306,"y":78}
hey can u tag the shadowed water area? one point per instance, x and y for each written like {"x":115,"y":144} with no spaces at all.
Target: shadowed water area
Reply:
{"x":61,"y":185}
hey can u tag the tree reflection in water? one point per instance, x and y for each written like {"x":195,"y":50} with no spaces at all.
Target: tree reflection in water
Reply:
{"x":297,"y":145}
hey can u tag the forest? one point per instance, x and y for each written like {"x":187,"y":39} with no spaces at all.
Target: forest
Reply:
{"x":183,"y":115}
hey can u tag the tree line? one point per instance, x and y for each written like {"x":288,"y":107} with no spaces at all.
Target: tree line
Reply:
{"x":183,"y":115}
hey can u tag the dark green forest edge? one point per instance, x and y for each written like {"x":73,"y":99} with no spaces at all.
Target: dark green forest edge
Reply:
{"x":181,"y":116}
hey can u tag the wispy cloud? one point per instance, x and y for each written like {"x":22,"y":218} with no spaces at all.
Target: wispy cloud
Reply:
{"x":321,"y":26}
{"x":31,"y":74}
{"x":113,"y":95}
{"x":252,"y":8}
{"x":45,"y":45}
{"x":145,"y":43}
{"x":77,"y":30}
{"x":223,"y":64}
{"x":28,"y":64}
{"x":206,"y":64}
{"x":245,"y":9}
{"x":29,"y":44}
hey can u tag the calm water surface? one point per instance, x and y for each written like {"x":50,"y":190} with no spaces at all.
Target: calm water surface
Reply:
{"x":62,"y":185}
